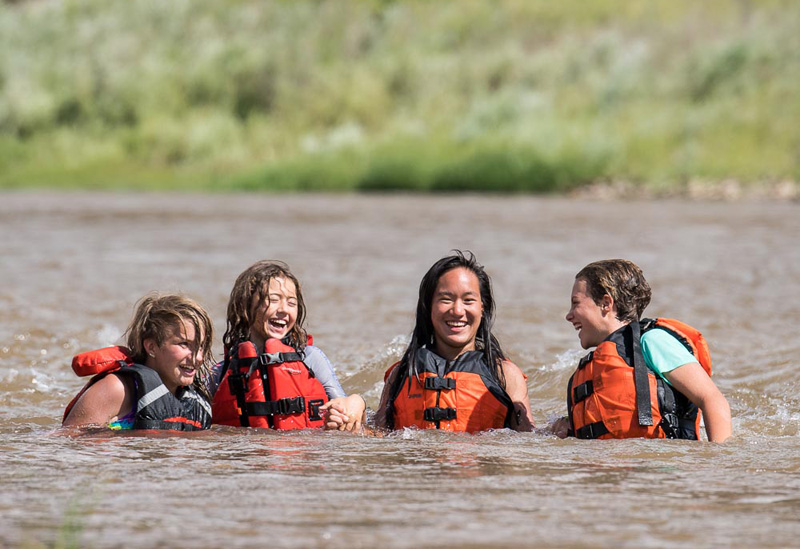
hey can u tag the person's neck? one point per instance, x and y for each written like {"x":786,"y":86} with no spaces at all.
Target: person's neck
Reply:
{"x":259,"y":342}
{"x":451,"y":353}
{"x":614,"y":325}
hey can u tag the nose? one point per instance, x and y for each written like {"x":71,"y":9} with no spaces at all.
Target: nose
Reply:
{"x":458,"y":307}
{"x":569,"y":315}
{"x":281,"y":308}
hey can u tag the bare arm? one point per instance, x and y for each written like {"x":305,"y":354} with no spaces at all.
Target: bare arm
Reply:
{"x":517,"y":389}
{"x":106,"y":400}
{"x":693,"y":381}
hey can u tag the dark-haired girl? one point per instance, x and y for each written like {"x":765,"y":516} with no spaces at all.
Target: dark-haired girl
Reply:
{"x":454,"y":375}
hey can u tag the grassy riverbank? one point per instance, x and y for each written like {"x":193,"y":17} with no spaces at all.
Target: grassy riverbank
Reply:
{"x":495,"y":95}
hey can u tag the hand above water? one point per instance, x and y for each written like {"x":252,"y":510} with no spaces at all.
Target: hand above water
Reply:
{"x":344,"y":413}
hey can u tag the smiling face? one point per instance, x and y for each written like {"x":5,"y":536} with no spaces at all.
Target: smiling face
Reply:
{"x":456,"y":312}
{"x":177,"y":358}
{"x":276,"y":316}
{"x":594,"y":322}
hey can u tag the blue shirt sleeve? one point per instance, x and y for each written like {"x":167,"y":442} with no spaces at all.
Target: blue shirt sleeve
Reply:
{"x":663,"y":353}
{"x":318,"y":363}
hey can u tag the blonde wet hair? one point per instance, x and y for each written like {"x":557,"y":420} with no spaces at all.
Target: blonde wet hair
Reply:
{"x":156,"y":315}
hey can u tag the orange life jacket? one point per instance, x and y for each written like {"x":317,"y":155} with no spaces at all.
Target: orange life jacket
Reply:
{"x":270,"y":389}
{"x":613,"y":394}
{"x":459,"y":395}
{"x":155,"y":407}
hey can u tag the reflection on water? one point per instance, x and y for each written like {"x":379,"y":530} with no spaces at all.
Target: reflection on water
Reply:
{"x":73,"y":266}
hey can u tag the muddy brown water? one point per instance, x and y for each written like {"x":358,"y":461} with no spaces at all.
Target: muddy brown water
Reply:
{"x":73,"y":265}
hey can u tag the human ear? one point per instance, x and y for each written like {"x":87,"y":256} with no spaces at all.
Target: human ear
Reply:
{"x":150,"y":346}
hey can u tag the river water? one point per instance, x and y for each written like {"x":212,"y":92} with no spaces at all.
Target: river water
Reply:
{"x":73,"y":265}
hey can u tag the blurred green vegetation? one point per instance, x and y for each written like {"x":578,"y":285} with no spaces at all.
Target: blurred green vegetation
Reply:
{"x":478,"y":95}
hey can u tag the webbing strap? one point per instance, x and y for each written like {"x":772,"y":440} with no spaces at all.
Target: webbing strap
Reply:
{"x":439,"y":414}
{"x":440,"y":383}
{"x":582,"y":391}
{"x":279,"y":358}
{"x":283,"y":406}
{"x":237,"y":383}
{"x":592,"y":430}
{"x":669,"y":419}
{"x":151,"y":397}
{"x":640,"y":378}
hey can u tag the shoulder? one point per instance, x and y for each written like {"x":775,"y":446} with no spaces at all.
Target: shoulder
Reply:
{"x":314,"y":356}
{"x":511,"y":369}
{"x":318,"y":362}
{"x":391,"y":372}
{"x":111,"y":387}
{"x":108,"y":397}
{"x":658,"y":339}
{"x":516,"y":380}
{"x":663,"y":352}
{"x":313,"y":350}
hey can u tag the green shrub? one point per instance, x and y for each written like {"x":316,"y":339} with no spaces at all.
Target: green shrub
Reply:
{"x":479,"y":95}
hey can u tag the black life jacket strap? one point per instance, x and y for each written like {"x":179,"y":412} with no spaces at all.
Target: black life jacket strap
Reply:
{"x":439,"y":414}
{"x":640,"y":378}
{"x":592,"y":430}
{"x":669,"y":418}
{"x":279,"y":358}
{"x":440,"y":383}
{"x":237,"y":383}
{"x":284,"y":406}
{"x":582,"y":391}
{"x":570,"y":405}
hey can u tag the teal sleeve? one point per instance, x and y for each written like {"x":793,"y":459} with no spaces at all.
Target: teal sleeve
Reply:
{"x":663,"y":353}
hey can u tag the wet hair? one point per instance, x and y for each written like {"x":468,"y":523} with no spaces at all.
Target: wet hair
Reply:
{"x":157,"y":315}
{"x":424,"y":335}
{"x":621,"y":279}
{"x":250,"y":290}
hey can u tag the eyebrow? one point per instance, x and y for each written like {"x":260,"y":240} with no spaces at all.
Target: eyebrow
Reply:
{"x":446,"y":293}
{"x":276,"y":294}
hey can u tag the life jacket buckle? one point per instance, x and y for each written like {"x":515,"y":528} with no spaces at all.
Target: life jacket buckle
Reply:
{"x":439,"y":414}
{"x":270,"y":358}
{"x":440,"y":383}
{"x":294,"y":405}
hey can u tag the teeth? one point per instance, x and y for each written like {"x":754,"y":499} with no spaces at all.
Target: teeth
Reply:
{"x":457,"y":324}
